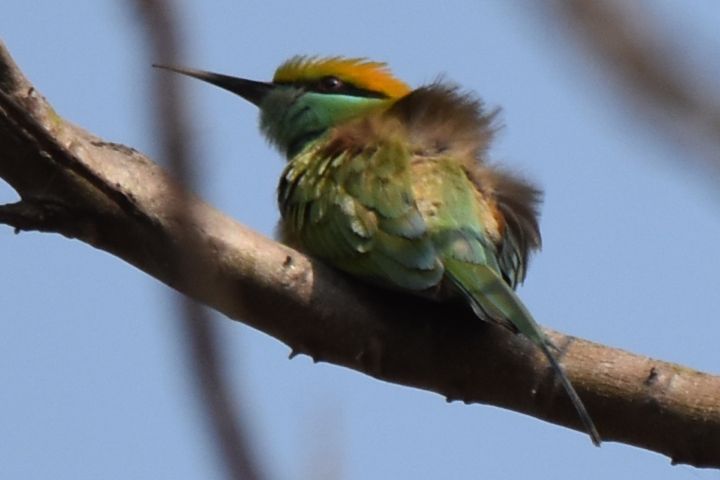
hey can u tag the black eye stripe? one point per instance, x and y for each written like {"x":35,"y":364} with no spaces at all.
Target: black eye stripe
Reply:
{"x":330,"y":84}
{"x":344,"y":88}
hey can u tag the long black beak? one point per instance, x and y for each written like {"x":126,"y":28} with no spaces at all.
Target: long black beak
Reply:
{"x":250,"y":90}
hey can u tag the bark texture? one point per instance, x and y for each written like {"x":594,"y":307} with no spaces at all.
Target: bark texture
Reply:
{"x":114,"y":198}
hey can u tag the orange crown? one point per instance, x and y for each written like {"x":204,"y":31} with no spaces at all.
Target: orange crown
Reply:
{"x":360,"y":72}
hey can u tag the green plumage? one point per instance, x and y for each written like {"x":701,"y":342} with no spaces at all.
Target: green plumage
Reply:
{"x":394,"y":189}
{"x":412,"y":206}
{"x":357,"y":210}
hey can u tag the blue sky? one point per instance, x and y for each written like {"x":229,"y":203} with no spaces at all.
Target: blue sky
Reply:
{"x":93,"y":374}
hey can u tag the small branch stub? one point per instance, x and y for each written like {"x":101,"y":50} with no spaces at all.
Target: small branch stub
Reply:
{"x":119,"y":201}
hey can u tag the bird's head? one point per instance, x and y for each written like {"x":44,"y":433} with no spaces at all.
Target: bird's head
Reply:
{"x":309,"y":95}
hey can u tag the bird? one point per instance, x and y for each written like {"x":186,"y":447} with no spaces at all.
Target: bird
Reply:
{"x":393,"y":186}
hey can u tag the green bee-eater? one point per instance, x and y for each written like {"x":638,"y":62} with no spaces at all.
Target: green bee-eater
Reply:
{"x":392,"y":186}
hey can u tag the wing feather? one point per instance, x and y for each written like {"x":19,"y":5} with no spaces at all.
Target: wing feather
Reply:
{"x":355,"y":208}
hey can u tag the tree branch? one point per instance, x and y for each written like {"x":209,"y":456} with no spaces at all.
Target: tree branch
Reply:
{"x":642,"y":58}
{"x":115,"y":199}
{"x":223,"y":412}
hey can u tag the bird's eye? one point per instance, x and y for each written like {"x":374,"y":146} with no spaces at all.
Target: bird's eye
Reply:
{"x":330,"y":84}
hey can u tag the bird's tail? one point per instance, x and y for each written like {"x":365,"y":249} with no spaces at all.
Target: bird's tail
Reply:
{"x":492,"y":299}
